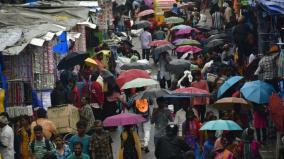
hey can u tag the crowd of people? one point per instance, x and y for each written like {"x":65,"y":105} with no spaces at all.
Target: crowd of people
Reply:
{"x":94,"y":91}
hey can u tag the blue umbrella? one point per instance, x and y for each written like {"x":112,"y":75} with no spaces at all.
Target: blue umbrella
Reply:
{"x":228,"y":84}
{"x":257,"y":91}
{"x":221,"y":125}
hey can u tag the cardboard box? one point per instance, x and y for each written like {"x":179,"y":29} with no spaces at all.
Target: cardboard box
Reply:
{"x":64,"y":117}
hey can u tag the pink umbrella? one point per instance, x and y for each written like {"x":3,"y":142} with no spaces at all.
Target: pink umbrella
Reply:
{"x":188,"y":48}
{"x":200,"y":96}
{"x":146,"y":12}
{"x":123,"y":119}
{"x":186,"y":31}
{"x":179,"y":40}
{"x":159,"y":42}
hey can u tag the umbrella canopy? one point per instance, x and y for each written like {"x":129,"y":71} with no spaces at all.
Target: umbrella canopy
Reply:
{"x":221,"y":125}
{"x":229,"y":103}
{"x":123,"y":119}
{"x":106,"y":74}
{"x":188,"y":42}
{"x":152,"y":93}
{"x":129,"y":75}
{"x":192,"y":91}
{"x":72,"y":59}
{"x":180,"y":40}
{"x":91,"y":62}
{"x":218,"y":36}
{"x":142,"y":24}
{"x":156,"y":43}
{"x":139,"y":82}
{"x":174,"y":20}
{"x":228,"y":84}
{"x":178,"y":65}
{"x":135,"y":65}
{"x":181,"y":26}
{"x":145,"y":12}
{"x":186,"y":31}
{"x":215,"y":43}
{"x":257,"y":91}
{"x":163,"y":48}
{"x":188,"y":48}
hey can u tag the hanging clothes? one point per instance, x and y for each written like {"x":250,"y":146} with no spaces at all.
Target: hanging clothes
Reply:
{"x":281,"y":64}
{"x":2,"y":99}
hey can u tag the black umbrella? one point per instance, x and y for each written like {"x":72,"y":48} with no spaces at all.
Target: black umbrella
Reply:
{"x":178,"y":65}
{"x":163,"y":48}
{"x":142,"y":24}
{"x":72,"y":59}
{"x":106,"y":74}
{"x":215,"y":43}
{"x":135,"y":66}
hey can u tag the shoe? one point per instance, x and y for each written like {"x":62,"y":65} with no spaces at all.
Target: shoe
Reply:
{"x":146,"y":150}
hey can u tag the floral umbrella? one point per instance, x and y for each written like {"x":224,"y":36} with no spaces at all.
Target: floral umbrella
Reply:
{"x":188,"y":48}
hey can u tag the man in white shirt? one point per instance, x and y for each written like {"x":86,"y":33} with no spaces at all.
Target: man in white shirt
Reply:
{"x":180,"y":117}
{"x":145,"y":39}
{"x":6,"y":139}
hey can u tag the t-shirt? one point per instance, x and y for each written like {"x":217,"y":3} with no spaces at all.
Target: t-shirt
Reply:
{"x":84,"y":140}
{"x":145,"y":39}
{"x":7,"y":139}
{"x":83,"y":156}
{"x":40,"y":149}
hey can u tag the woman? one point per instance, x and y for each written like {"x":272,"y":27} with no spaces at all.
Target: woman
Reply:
{"x":130,"y":144}
{"x":260,"y":122}
{"x":250,"y":147}
{"x":62,"y":150}
{"x":190,"y":130}
{"x":25,"y":136}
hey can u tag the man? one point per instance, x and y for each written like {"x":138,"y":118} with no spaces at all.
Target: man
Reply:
{"x":100,"y":144}
{"x":180,"y":118}
{"x":176,"y":9}
{"x":49,"y":128}
{"x":161,"y":118}
{"x":164,"y":76}
{"x":81,"y":137}
{"x":58,"y":95}
{"x":40,"y":146}
{"x":6,"y":139}
{"x":217,"y":20}
{"x":145,"y":39}
{"x":86,"y":113}
{"x":78,"y":153}
{"x":170,"y":146}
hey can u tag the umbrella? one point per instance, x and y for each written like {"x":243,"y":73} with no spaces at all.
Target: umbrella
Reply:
{"x":135,"y":65}
{"x":188,"y":48}
{"x":178,"y":65}
{"x":257,"y":91}
{"x":123,"y":119}
{"x":106,"y":74}
{"x":221,"y":125}
{"x":156,"y":43}
{"x":142,"y":24}
{"x":72,"y":59}
{"x":191,"y":91}
{"x":180,"y":40}
{"x":163,"y":48}
{"x":91,"y":62}
{"x":152,"y":93}
{"x":229,"y":102}
{"x":215,"y":43}
{"x":181,"y":26}
{"x":203,"y":28}
{"x":174,"y":20}
{"x":228,"y":84}
{"x":218,"y":36}
{"x":129,"y":75}
{"x":139,"y":82}
{"x":186,"y":31}
{"x":145,"y":12}
{"x":188,"y":42}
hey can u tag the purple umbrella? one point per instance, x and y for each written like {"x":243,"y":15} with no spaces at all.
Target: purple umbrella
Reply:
{"x":123,"y":119}
{"x":188,"y":48}
{"x":186,"y":31}
{"x":179,"y":40}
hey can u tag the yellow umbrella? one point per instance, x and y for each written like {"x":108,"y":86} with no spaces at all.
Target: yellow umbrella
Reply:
{"x":91,"y":62}
{"x":104,"y":52}
{"x":229,"y":103}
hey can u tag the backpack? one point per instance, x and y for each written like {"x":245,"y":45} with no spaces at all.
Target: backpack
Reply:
{"x":142,"y":107}
{"x":47,"y":145}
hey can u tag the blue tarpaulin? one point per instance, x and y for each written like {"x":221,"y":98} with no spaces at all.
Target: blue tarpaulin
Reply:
{"x":273,"y":6}
{"x":62,"y":46}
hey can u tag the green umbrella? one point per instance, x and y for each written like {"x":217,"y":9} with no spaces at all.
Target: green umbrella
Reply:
{"x":174,"y":20}
{"x":188,"y":42}
{"x":139,"y":82}
{"x":221,"y":125}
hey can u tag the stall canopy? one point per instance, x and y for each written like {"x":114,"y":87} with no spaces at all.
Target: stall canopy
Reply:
{"x":21,"y":26}
{"x":272,"y":6}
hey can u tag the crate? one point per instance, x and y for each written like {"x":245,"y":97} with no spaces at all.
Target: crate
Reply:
{"x":64,"y":117}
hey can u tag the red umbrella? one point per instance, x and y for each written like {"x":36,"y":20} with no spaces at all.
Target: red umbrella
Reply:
{"x":130,"y":75}
{"x":200,"y":96}
{"x":186,"y":31}
{"x":145,"y":12}
{"x":159,"y":42}
{"x":188,"y":48}
{"x":123,"y":119}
